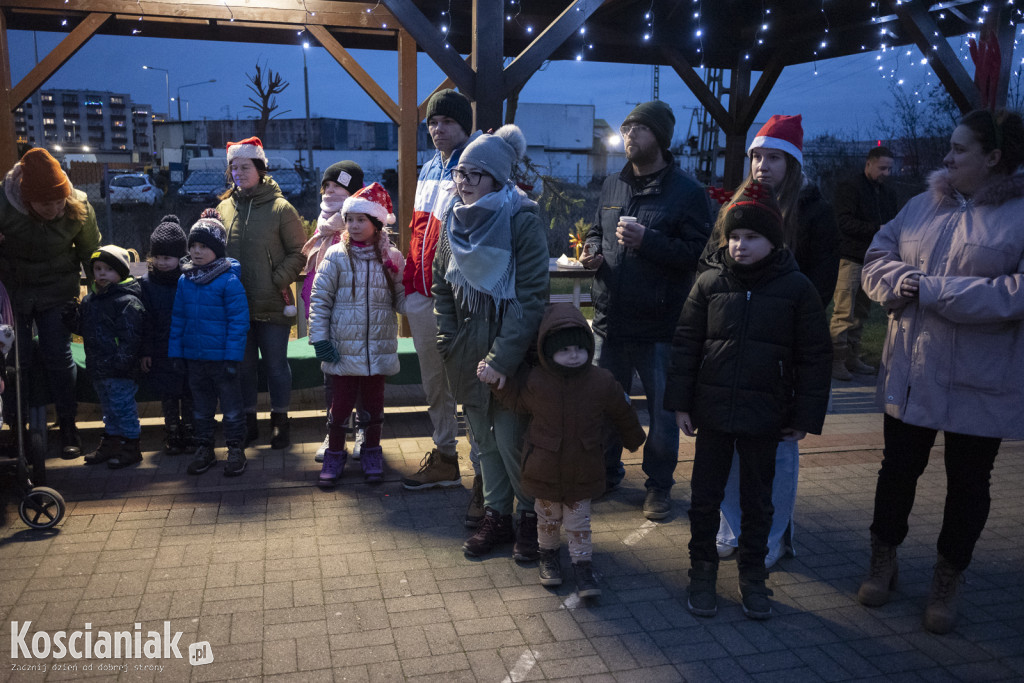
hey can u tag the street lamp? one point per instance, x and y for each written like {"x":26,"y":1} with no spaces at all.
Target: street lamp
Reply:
{"x":189,"y":85}
{"x":167,"y":85}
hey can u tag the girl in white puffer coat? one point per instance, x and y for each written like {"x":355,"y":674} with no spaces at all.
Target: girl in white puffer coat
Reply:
{"x":353,"y":326}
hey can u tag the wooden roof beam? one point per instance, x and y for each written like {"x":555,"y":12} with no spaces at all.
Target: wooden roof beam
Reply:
{"x":921,"y":26}
{"x":57,"y":57}
{"x":423,"y":32}
{"x":524,"y":66}
{"x":699,"y":88}
{"x":357,"y":72}
{"x":763,"y":88}
{"x":310,"y":12}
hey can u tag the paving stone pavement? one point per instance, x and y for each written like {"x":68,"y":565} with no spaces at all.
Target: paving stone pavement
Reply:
{"x":369,"y":583}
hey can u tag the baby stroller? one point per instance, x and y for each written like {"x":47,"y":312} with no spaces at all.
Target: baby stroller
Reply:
{"x":41,"y":507}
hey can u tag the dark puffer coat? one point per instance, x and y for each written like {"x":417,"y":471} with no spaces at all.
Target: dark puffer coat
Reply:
{"x":111,"y":328}
{"x":564,"y":456}
{"x":752,"y":360}
{"x":817,"y":242}
{"x":158,"y":290}
{"x":638,"y":292}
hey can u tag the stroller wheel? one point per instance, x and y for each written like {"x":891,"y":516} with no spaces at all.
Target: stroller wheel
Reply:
{"x":41,"y":508}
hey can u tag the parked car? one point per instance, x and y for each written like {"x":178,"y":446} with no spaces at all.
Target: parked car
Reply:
{"x":134,"y":188}
{"x":290,"y":182}
{"x":203,"y":186}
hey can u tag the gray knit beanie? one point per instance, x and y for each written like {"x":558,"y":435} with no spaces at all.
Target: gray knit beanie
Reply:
{"x":496,"y":154}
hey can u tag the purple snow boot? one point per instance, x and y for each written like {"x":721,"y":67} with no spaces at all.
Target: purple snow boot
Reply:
{"x":372,"y":460}
{"x":334,"y":463}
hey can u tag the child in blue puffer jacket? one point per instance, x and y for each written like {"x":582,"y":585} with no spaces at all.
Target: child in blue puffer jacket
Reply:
{"x":209,"y":325}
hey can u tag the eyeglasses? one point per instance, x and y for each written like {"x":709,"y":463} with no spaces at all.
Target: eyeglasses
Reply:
{"x":638,"y":128}
{"x":469,"y":178}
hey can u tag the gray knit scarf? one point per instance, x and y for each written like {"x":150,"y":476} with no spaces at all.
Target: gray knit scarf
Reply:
{"x":482,"y":270}
{"x":202,"y":275}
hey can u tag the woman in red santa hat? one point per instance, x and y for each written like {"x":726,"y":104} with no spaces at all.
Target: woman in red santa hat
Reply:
{"x":265,"y":235}
{"x":810,"y":232}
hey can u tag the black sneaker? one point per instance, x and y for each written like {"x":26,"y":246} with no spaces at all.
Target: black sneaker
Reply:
{"x":236,"y":460}
{"x":494,"y":529}
{"x":204,"y":459}
{"x":657,"y":504}
{"x":549,"y":567}
{"x":586,"y":582}
{"x":756,"y":604}
{"x":701,"y":600}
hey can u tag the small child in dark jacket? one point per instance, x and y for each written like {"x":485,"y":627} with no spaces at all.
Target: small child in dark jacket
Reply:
{"x":110,"y":323}
{"x":164,"y":376}
{"x":571,"y":403}
{"x":209,"y":325}
{"x":751,"y":365}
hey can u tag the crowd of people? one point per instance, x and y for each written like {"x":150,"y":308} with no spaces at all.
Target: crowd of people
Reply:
{"x":720,"y":313}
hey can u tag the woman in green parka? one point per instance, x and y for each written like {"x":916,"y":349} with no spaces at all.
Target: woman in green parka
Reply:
{"x":265,"y":236}
{"x":48,"y":231}
{"x":490,"y":287}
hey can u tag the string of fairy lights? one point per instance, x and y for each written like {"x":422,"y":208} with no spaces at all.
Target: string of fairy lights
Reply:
{"x":895,"y":63}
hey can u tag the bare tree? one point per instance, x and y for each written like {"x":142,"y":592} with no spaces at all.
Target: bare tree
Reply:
{"x":265,"y":86}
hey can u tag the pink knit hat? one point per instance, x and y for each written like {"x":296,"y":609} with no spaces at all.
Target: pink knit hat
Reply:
{"x":784,"y":133}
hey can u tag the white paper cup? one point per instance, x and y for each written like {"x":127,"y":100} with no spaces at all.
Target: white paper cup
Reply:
{"x":627,"y":219}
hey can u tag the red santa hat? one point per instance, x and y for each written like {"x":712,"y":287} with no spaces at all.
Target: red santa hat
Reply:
{"x":373,"y":200}
{"x":784,"y":133}
{"x":249,"y":148}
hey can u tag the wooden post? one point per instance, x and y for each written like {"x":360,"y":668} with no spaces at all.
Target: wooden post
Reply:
{"x":736,"y":136}
{"x":488,"y":50}
{"x":8,"y":141}
{"x":407,"y":128}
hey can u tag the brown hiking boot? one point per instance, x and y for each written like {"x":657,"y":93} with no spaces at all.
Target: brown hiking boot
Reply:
{"x":437,"y":469}
{"x":494,"y":529}
{"x":940,"y":612}
{"x":882,"y":576}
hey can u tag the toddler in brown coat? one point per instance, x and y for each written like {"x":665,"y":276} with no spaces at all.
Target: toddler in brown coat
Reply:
{"x":571,"y":402}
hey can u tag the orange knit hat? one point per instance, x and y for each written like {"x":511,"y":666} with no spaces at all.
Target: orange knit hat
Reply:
{"x":42,"y":178}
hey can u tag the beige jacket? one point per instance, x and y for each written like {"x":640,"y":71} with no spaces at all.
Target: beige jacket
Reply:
{"x":954,"y":358}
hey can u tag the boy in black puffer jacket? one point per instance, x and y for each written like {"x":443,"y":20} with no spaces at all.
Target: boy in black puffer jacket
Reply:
{"x":751,"y":365}
{"x":110,"y":323}
{"x":165,"y":377}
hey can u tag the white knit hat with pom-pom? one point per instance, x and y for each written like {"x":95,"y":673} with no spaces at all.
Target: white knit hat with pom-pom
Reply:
{"x":496,"y":154}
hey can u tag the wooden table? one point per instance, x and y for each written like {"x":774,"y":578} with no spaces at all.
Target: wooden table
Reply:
{"x":577,"y":275}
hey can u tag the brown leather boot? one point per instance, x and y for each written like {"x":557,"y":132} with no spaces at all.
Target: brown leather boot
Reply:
{"x":881,"y":580}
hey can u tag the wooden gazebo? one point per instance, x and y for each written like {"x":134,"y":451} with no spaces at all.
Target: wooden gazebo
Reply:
{"x":740,"y":36}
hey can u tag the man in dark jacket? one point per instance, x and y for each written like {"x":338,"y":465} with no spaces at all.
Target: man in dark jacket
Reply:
{"x":863,"y":204}
{"x":651,"y":227}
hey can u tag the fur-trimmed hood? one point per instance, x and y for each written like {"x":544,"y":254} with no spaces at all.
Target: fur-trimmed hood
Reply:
{"x":12,"y":188}
{"x":999,"y":190}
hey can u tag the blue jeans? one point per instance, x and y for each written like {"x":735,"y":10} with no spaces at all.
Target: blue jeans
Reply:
{"x":54,"y":356}
{"x":269,"y":341}
{"x":499,"y":435}
{"x":120,"y":412}
{"x":209,"y":382}
{"x":661,"y":451}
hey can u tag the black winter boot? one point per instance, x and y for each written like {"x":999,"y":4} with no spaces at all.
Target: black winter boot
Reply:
{"x":549,"y":567}
{"x":586,"y":582}
{"x":280,"y":431}
{"x":252,"y":430}
{"x":70,"y":441}
{"x":174,"y":440}
{"x":130,"y":454}
{"x":110,"y":446}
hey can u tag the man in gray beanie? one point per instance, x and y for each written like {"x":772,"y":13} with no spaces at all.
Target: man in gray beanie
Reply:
{"x":651,"y":227}
{"x":449,"y":122}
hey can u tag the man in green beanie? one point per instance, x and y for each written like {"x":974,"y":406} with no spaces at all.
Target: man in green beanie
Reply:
{"x":651,"y":227}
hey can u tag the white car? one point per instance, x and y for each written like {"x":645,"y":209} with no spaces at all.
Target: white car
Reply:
{"x":134,"y":188}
